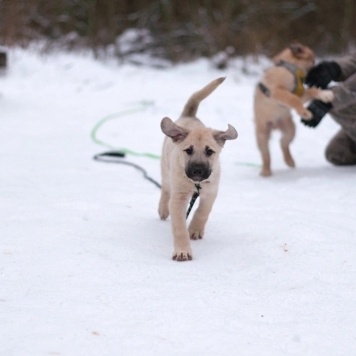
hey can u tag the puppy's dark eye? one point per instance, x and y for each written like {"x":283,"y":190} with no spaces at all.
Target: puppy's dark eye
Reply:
{"x":209,"y":151}
{"x":189,"y":151}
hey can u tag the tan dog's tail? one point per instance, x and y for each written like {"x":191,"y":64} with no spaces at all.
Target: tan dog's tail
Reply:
{"x":191,"y":107}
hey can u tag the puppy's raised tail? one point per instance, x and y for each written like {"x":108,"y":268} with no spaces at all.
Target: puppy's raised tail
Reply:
{"x":191,"y":107}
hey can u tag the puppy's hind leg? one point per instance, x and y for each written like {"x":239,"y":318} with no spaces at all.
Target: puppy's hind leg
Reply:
{"x":287,"y":128}
{"x":201,"y":215}
{"x":163,"y":206}
{"x":163,"y":209}
{"x":263,"y":134}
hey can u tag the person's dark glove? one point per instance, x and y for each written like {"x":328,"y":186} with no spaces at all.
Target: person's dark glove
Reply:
{"x":322,"y":74}
{"x":319,"y":109}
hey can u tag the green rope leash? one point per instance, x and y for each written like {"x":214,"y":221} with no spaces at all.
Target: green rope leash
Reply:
{"x":94,"y":133}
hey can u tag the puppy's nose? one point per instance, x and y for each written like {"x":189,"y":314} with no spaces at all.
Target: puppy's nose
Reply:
{"x":198,"y":172}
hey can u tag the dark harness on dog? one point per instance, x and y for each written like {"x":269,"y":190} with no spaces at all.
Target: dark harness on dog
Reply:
{"x":298,"y":79}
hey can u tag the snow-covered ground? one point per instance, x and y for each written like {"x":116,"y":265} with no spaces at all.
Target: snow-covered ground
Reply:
{"x":85,"y":262}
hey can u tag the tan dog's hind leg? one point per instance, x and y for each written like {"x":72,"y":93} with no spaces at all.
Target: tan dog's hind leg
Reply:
{"x":201,"y":215}
{"x":263,"y":133}
{"x":182,"y":250}
{"x":287,"y":128}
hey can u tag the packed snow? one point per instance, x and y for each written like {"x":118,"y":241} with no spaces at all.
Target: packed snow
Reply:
{"x":86,"y":266}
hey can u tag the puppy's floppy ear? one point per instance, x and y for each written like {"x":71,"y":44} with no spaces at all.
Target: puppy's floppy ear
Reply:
{"x":297,"y":49}
{"x":221,"y":136}
{"x":172,"y":130}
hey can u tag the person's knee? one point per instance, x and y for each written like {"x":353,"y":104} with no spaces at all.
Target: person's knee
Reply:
{"x":334,"y":156}
{"x":341,"y":152}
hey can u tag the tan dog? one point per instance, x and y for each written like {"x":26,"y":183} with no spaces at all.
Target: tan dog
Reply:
{"x":190,"y":161}
{"x":280,"y":90}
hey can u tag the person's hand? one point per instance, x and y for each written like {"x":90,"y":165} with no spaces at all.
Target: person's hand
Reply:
{"x":319,"y":110}
{"x":322,"y":74}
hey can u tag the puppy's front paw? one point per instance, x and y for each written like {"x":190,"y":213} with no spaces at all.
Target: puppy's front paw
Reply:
{"x":196,"y":234}
{"x":305,"y":114}
{"x":182,"y":255}
{"x":326,"y":96}
{"x":196,"y":230}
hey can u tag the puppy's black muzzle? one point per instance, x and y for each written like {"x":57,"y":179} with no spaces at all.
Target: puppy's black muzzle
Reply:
{"x":198,"y":172}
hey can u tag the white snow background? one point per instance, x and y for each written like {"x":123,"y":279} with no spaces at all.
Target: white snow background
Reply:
{"x":85,"y":264}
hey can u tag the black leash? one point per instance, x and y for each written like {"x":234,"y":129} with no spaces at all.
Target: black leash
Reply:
{"x":194,"y":198}
{"x":116,"y":157}
{"x":117,"y":154}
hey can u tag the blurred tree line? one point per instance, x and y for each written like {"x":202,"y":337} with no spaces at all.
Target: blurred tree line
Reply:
{"x":181,"y":30}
